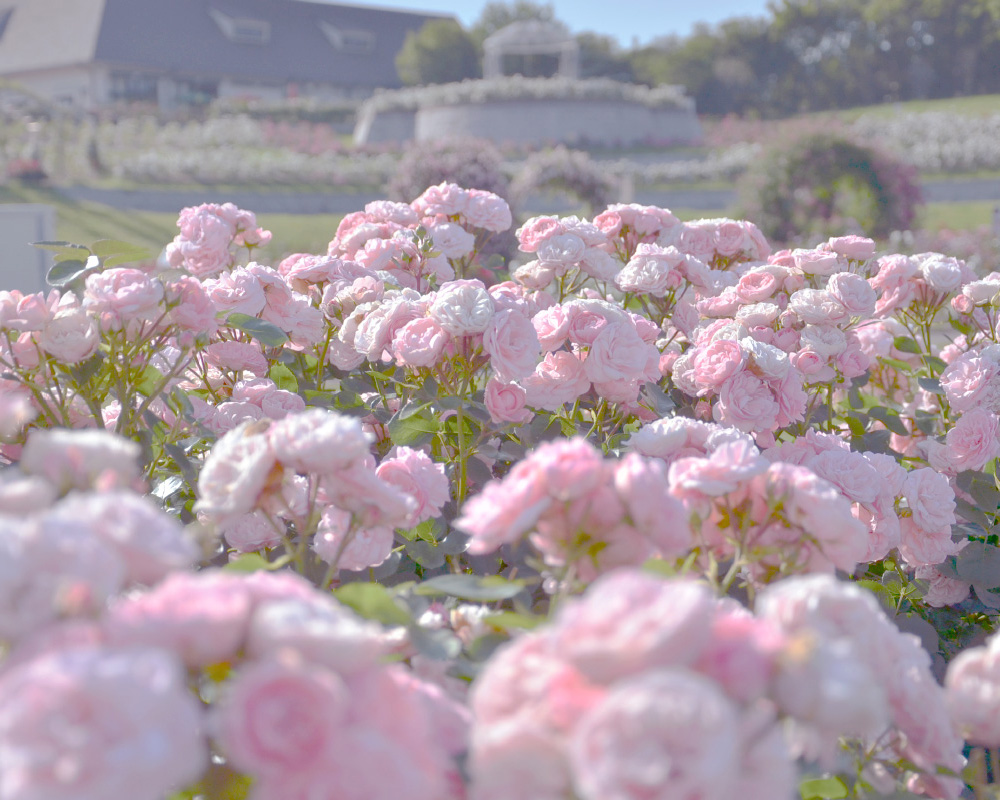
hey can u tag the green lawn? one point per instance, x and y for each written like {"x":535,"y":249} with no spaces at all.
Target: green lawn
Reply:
{"x":85,"y":223}
{"x":956,"y":216}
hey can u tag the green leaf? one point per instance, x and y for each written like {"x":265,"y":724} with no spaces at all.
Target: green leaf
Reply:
{"x":881,"y":592}
{"x":935,"y":364}
{"x":413,"y":430}
{"x":113,"y":247}
{"x":284,"y":378}
{"x":373,"y":601}
{"x":662,"y":403}
{"x":979,"y":563}
{"x":895,"y":363}
{"x":970,"y":513}
{"x":857,"y":423}
{"x":890,"y":418}
{"x":932,"y":385}
{"x":264,"y":332}
{"x":66,"y":272}
{"x":65,"y":250}
{"x":508,"y":620}
{"x":823,"y":789}
{"x":904,"y":344}
{"x":438,"y":644}
{"x":471,"y":587}
{"x":82,"y":373}
{"x":149,"y":380}
{"x":248,"y":562}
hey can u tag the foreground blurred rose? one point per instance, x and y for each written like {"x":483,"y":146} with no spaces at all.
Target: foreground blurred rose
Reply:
{"x":96,"y":724}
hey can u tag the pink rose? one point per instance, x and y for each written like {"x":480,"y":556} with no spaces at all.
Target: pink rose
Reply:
{"x":536,"y":230}
{"x":716,"y":363}
{"x":512,"y":344}
{"x":971,"y":685}
{"x":506,"y":402}
{"x":857,"y":248}
{"x":746,"y":403}
{"x":619,"y":353}
{"x":974,"y":441}
{"x":419,"y":343}
{"x":446,"y":199}
{"x":487,"y":210}
{"x":560,"y":378}
{"x":191,"y":308}
{"x":202,"y":617}
{"x":853,"y":292}
{"x":671,"y":732}
{"x":250,"y":532}
{"x":318,"y":441}
{"x":282,"y":718}
{"x":92,"y":722}
{"x":70,"y":337}
{"x":756,"y":285}
{"x":123,"y":295}
{"x":416,"y":475}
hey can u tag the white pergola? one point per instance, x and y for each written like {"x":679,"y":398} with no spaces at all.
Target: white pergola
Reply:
{"x":532,"y":37}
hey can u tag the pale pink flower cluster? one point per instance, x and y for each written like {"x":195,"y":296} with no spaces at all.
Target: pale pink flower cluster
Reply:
{"x":855,"y":673}
{"x":304,"y":704}
{"x":208,"y":234}
{"x":779,"y":517}
{"x":584,"y":513}
{"x":473,"y":208}
{"x":641,"y":688}
{"x":720,"y":243}
{"x":926,"y":279}
{"x":972,"y":684}
{"x":627,"y":225}
{"x":314,"y":462}
{"x":65,"y":557}
{"x":752,"y":384}
{"x":561,"y":246}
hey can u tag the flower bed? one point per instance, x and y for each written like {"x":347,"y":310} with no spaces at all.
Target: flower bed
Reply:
{"x":656,"y":514}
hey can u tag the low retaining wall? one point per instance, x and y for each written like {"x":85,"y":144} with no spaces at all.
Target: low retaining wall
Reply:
{"x":534,"y":122}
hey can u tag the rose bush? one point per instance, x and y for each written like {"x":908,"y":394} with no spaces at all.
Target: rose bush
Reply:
{"x":659,"y":511}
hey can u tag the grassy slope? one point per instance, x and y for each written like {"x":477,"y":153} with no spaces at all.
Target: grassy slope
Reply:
{"x":87,"y":222}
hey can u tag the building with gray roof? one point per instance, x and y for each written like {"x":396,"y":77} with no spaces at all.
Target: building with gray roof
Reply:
{"x":94,"y":53}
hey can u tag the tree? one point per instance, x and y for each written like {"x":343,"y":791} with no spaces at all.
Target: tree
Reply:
{"x":499,"y":15}
{"x":440,"y":52}
{"x":600,"y":57}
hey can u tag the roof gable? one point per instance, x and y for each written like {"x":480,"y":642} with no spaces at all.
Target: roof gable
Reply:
{"x":292,"y":41}
{"x":265,"y":41}
{"x":40,"y":34}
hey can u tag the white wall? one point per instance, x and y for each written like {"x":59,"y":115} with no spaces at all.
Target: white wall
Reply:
{"x":22,"y":266}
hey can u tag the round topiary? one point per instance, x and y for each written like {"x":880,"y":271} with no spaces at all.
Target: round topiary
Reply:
{"x":824,"y":184}
{"x":470,"y":163}
{"x":572,"y":172}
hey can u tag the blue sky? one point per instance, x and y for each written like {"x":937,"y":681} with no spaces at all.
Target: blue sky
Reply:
{"x":624,"y":19}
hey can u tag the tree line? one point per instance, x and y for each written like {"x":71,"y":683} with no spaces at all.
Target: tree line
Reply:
{"x":804,"y":55}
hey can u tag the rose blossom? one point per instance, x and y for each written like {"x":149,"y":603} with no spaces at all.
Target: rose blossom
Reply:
{"x":666,"y":734}
{"x":462,"y":308}
{"x":419,"y":343}
{"x":619,"y":353}
{"x":716,"y":363}
{"x":416,"y":475}
{"x":93,"y":723}
{"x":282,"y":717}
{"x":71,"y":336}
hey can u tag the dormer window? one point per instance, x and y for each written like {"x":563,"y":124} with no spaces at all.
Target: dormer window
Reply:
{"x":242,"y":30}
{"x":348,"y":40}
